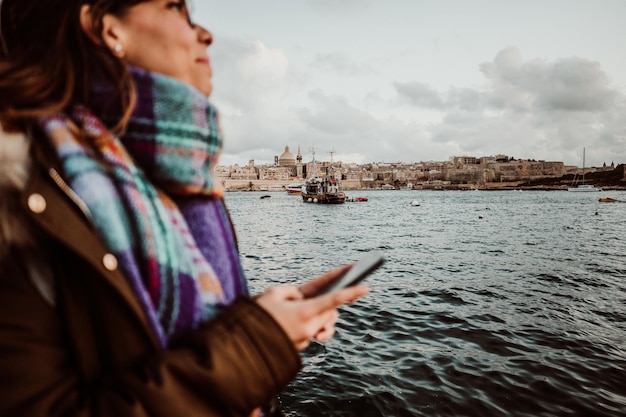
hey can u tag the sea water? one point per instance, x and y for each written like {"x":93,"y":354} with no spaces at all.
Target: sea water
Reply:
{"x":500,"y":303}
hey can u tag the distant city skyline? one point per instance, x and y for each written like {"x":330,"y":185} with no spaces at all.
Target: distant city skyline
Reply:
{"x":308,"y":156}
{"x":399,"y":80}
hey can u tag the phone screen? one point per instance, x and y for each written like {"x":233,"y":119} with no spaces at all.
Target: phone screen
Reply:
{"x":357,"y":273}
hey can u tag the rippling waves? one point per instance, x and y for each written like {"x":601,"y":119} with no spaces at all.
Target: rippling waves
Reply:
{"x":490,"y":303}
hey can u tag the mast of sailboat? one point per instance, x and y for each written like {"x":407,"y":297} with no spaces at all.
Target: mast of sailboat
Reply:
{"x":314,"y":164}
{"x":331,"y":169}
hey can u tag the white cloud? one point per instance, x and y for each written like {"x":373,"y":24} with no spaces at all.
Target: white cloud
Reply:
{"x":341,"y":64}
{"x":250,"y":73}
{"x":533,"y":108}
{"x":529,"y":109}
{"x":337,"y":6}
{"x":253,"y":83}
{"x":569,"y":84}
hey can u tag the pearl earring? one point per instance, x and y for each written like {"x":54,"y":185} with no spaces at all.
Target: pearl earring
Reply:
{"x":118,"y":49}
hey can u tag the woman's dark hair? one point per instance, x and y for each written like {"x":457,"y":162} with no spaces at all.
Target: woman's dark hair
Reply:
{"x":47,"y":62}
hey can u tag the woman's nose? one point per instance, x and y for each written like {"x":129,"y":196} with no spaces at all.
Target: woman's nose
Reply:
{"x":204,"y":35}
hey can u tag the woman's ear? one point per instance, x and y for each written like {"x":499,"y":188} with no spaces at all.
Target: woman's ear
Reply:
{"x":112,"y":32}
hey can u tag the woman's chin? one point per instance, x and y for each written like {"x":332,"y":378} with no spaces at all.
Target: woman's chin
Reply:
{"x":204,"y":86}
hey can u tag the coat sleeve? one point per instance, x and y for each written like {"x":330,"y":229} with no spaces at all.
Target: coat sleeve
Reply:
{"x":227,"y":367}
{"x":231,"y":365}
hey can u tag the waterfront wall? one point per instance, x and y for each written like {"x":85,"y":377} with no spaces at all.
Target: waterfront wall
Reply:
{"x":279,"y":185}
{"x":544,"y":175}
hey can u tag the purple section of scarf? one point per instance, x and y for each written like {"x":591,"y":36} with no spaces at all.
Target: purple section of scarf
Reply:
{"x":143,"y":150}
{"x":212,"y":229}
{"x":188,"y":318}
{"x":106,"y":104}
{"x":128,"y":263}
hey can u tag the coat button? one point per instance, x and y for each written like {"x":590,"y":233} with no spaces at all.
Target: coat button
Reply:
{"x":110,"y":262}
{"x":37,"y":203}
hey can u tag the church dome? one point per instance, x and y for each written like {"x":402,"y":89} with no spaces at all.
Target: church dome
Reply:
{"x":287,"y":158}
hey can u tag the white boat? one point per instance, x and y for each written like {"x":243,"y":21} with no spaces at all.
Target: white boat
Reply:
{"x":295,"y":188}
{"x":583,"y":188}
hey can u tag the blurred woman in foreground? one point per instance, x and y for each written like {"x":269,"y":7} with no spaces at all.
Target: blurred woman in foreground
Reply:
{"x":121,"y":290}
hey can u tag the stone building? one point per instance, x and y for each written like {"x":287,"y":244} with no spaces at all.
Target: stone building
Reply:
{"x":287,"y":159}
{"x":290,"y":165}
{"x":526,"y":170}
{"x":275,"y":173}
{"x":236,"y":172}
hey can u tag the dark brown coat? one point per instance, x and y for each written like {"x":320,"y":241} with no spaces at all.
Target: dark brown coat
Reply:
{"x":73,"y":338}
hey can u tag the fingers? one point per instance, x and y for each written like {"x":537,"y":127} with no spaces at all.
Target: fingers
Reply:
{"x":284,"y":292}
{"x":310,"y":288}
{"x":333,"y":300}
{"x":328,"y":329}
{"x":315,"y":323}
{"x":306,"y":318}
{"x":325,"y":334}
{"x":319,"y":314}
{"x":320,"y":328}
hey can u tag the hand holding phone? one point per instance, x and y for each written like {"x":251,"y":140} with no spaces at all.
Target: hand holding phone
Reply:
{"x":361,"y":269}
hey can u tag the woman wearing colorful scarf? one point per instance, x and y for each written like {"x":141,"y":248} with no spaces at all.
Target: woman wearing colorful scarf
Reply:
{"x":121,"y":289}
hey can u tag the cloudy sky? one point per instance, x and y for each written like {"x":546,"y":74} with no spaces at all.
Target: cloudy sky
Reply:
{"x":420,"y":80}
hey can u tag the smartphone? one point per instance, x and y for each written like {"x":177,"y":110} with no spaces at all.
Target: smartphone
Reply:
{"x":365,"y":266}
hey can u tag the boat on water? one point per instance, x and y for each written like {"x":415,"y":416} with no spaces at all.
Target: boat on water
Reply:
{"x":322,"y":189}
{"x":357,"y":199}
{"x":295,"y":188}
{"x":583,"y":188}
{"x":607,"y":200}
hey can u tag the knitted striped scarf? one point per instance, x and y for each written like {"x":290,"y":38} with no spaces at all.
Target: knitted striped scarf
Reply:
{"x":153,"y":199}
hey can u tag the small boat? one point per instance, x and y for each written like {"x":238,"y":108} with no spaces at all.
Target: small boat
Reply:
{"x":583,"y":188}
{"x":263,"y":197}
{"x":322,"y":190}
{"x":607,"y":200}
{"x":357,"y":199}
{"x":295,"y":188}
{"x":415,"y":203}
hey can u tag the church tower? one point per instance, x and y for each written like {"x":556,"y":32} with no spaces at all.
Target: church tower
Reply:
{"x":299,"y":170}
